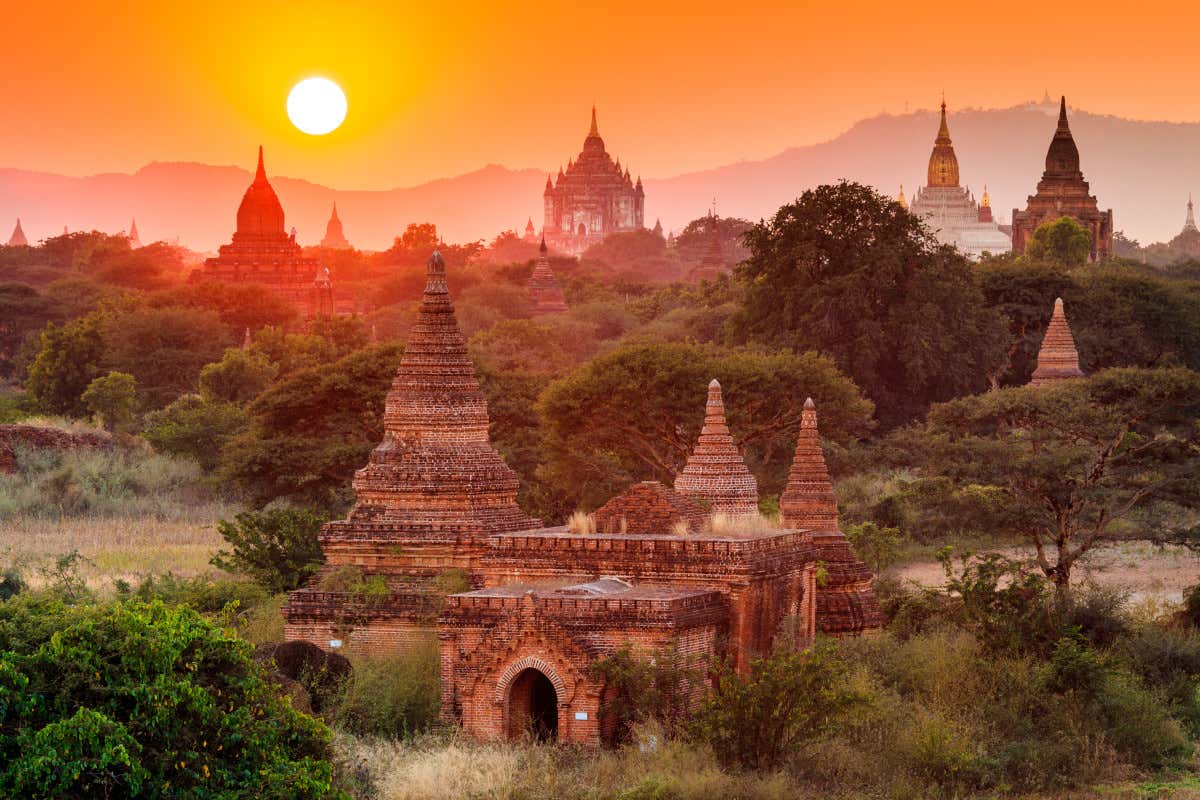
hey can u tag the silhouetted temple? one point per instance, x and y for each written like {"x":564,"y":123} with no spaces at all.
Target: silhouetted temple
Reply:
{"x":263,"y":253}
{"x":1062,"y":191}
{"x":949,"y":209}
{"x":1187,"y":243}
{"x":334,"y":239}
{"x":1057,"y":360}
{"x":536,"y":607}
{"x":544,"y":291}
{"x":712,"y":263}
{"x":134,"y":240}
{"x":591,"y":199}
{"x":18,"y":236}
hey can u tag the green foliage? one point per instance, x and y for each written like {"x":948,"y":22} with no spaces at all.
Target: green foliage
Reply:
{"x":24,"y":310}
{"x":390,"y":696}
{"x":310,"y":431}
{"x":786,"y":702}
{"x":277,"y":548}
{"x":641,"y":689}
{"x":67,"y":360}
{"x":206,"y":594}
{"x":194,"y":428}
{"x":847,"y":272}
{"x":239,"y":377}
{"x":113,"y":399}
{"x":633,"y":414}
{"x":150,"y":701}
{"x":1062,"y":241}
{"x":12,"y":583}
{"x":878,"y":547}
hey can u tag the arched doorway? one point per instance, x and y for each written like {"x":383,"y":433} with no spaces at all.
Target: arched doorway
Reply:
{"x":532,"y":706}
{"x":582,"y":229}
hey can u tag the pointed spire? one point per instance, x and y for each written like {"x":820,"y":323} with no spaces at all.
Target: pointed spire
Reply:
{"x":543,"y":287}
{"x":715,"y":473}
{"x":18,"y":236}
{"x":542,"y":249}
{"x":943,"y":163}
{"x":901,"y":199}
{"x":594,"y":130}
{"x":943,"y":136}
{"x":808,"y":501}
{"x":246,"y":341}
{"x":1190,"y":223}
{"x":1062,"y":115}
{"x":1057,"y":360}
{"x":986,"y":202}
{"x":260,"y":174}
{"x":134,"y":240}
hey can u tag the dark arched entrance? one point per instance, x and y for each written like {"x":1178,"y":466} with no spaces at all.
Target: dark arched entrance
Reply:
{"x":532,"y":707}
{"x":582,"y":230}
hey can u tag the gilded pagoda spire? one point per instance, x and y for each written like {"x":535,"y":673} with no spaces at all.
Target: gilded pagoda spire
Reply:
{"x":943,"y":163}
{"x":901,"y":199}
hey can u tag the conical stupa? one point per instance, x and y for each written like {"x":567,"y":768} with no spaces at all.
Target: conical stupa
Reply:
{"x":18,"y":236}
{"x":1057,"y":360}
{"x":715,"y":473}
{"x":335,"y":237}
{"x":134,"y":240}
{"x":544,"y":291}
{"x":435,"y":470}
{"x":808,"y":501}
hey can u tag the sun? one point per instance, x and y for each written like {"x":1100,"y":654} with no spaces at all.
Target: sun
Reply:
{"x":316,"y":106}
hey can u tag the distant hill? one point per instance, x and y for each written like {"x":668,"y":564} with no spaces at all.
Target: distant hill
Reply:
{"x":1142,"y":170}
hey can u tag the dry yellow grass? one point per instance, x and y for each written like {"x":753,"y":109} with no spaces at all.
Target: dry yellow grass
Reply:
{"x":116,"y":547}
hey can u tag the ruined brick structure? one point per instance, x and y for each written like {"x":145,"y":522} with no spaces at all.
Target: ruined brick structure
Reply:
{"x":1062,"y":191}
{"x":436,"y":502}
{"x":1057,"y":360}
{"x":41,"y":437}
{"x":715,"y":473}
{"x":544,"y":291}
{"x":263,"y":253}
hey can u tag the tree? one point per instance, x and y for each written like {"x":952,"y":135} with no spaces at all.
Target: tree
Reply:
{"x":310,"y":431}
{"x":849,"y":273}
{"x":113,"y":399}
{"x":239,"y":305}
{"x":278,"y":548}
{"x":634,"y":413}
{"x":194,"y":427}
{"x":788,"y":700}
{"x":23,"y":310}
{"x":638,"y":689}
{"x":68,"y":359}
{"x":1079,"y":463}
{"x":137,"y":700}
{"x":1062,"y":241}
{"x":239,"y":377}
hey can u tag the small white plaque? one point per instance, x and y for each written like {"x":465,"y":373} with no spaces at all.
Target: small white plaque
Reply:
{"x":581,"y":715}
{"x":334,"y":644}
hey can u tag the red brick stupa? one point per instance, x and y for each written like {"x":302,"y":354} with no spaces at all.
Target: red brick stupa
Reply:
{"x":262,"y":252}
{"x":1058,"y":360}
{"x":808,"y":501}
{"x":544,"y":291}
{"x":435,"y":470}
{"x":715,"y":474}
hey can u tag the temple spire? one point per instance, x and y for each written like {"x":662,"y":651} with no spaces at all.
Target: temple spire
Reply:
{"x":808,"y":501}
{"x":1063,"y":125}
{"x":715,"y":473}
{"x":18,"y":236}
{"x":943,"y":163}
{"x":1057,"y":360}
{"x":943,"y":136}
{"x":1190,"y":223}
{"x":134,"y":240}
{"x":595,"y":130}
{"x":901,"y":199}
{"x":260,"y":174}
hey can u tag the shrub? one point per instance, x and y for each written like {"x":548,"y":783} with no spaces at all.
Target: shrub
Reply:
{"x":395,"y":695}
{"x":194,"y":427}
{"x":787,"y":700}
{"x":642,"y":689}
{"x":878,"y":547}
{"x":157,"y":697}
{"x":277,"y":548}
{"x":113,"y":399}
{"x":204,"y":593}
{"x":12,"y":583}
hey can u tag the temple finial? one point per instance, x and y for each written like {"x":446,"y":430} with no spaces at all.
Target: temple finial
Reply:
{"x":1062,"y":114}
{"x":261,"y":173}
{"x":542,"y":249}
{"x":595,"y":131}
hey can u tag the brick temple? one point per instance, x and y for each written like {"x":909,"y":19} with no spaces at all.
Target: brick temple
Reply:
{"x":263,"y":253}
{"x":544,"y":291}
{"x":1057,"y":360}
{"x":436,"y":504}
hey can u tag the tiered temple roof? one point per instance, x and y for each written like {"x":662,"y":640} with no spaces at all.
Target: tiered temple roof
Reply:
{"x":544,"y":291}
{"x":435,"y":470}
{"x":1058,"y":360}
{"x":18,"y":236}
{"x":808,"y":501}
{"x":715,"y":473}
{"x":335,"y":238}
{"x":1062,"y":191}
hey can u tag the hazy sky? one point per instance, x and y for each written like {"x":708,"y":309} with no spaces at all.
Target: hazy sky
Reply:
{"x":441,"y":88}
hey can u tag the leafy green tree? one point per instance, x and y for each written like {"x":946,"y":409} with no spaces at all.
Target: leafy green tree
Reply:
{"x":787,"y":701}
{"x":1062,"y":241}
{"x":1080,"y":462}
{"x":68,"y":359}
{"x":194,"y":427}
{"x":113,"y":399}
{"x":849,"y":273}
{"x":278,"y":548}
{"x":239,"y":377}
{"x":136,"y":700}
{"x":311,"y":430}
{"x":878,"y":547}
{"x":639,"y":689}
{"x":634,"y":413}
{"x":238,"y":305}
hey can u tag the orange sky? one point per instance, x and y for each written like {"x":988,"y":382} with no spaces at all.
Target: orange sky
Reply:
{"x":437,"y":89}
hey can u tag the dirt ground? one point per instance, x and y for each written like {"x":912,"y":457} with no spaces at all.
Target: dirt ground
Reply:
{"x":1148,"y":573}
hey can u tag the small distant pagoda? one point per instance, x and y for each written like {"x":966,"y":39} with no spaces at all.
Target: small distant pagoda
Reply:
{"x":1062,"y":191}
{"x":335,"y":239}
{"x":134,"y":240}
{"x":262,"y":252}
{"x":1057,"y":360}
{"x":715,"y":473}
{"x":530,"y":232}
{"x":712,"y":263}
{"x":808,"y":500}
{"x":18,"y":236}
{"x":1187,"y":243}
{"x":544,"y":291}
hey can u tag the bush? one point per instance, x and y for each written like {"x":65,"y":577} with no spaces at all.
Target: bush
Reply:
{"x":878,"y":547}
{"x":194,"y":427}
{"x":113,"y":399}
{"x":396,"y":695}
{"x":205,"y":594}
{"x":143,"y":696}
{"x":639,"y":690}
{"x":277,"y":548}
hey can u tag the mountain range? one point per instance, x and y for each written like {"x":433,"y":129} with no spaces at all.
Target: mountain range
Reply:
{"x":1143,"y":170}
